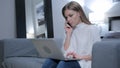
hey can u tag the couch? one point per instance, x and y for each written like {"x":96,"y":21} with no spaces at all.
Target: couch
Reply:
{"x":106,"y":54}
{"x":19,"y":53}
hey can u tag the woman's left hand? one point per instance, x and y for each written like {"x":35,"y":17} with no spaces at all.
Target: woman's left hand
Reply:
{"x":75,"y":55}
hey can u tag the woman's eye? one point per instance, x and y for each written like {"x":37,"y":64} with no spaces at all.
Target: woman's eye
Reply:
{"x":70,"y":15}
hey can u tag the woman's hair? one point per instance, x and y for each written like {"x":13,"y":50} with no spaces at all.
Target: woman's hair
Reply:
{"x":76,"y":7}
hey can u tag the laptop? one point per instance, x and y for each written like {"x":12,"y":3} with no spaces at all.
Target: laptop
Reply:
{"x":50,"y":48}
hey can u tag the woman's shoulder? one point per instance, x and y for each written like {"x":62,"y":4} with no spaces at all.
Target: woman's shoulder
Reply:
{"x":88,"y":26}
{"x":93,"y":27}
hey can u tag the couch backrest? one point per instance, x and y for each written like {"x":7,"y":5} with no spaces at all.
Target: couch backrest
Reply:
{"x":112,"y":35}
{"x":17,"y":47}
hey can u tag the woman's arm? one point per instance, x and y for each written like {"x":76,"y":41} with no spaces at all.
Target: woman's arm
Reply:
{"x":67,"y":42}
{"x":68,"y":30}
{"x":86,"y":57}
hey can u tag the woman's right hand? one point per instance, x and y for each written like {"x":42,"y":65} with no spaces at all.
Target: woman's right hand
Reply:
{"x":68,"y":29}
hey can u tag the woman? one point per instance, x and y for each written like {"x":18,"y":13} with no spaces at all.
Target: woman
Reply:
{"x":79,"y":39}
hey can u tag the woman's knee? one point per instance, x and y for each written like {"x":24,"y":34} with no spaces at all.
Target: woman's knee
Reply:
{"x":61,"y":64}
{"x":50,"y":63}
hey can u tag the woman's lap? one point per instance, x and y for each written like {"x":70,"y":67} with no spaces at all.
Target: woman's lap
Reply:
{"x":68,"y":64}
{"x":51,"y":63}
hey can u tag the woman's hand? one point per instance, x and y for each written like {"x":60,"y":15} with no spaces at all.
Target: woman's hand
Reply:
{"x":68,"y":29}
{"x":74,"y":55}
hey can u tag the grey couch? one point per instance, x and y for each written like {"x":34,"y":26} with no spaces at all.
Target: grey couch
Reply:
{"x":19,"y":53}
{"x":106,"y":54}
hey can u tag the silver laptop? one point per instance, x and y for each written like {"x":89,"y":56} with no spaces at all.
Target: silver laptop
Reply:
{"x":50,"y":48}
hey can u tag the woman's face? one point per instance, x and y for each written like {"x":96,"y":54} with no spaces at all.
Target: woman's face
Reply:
{"x":72,"y":17}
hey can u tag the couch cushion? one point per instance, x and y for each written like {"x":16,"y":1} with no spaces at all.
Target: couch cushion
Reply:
{"x":18,"y":47}
{"x":23,"y":62}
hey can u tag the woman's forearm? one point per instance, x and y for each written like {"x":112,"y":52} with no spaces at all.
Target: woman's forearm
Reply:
{"x":86,"y":57}
{"x":67,"y":42}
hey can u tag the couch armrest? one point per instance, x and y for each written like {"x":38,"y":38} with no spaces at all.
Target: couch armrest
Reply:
{"x":106,"y":54}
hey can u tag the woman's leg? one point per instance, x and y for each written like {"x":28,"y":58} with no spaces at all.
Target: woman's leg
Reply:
{"x":68,"y":64}
{"x":50,"y":63}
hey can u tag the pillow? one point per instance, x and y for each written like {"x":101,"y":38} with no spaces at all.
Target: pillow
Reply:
{"x":18,"y":47}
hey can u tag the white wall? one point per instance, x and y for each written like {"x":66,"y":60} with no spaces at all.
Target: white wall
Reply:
{"x":115,"y":10}
{"x":7,"y":19}
{"x":58,"y":19}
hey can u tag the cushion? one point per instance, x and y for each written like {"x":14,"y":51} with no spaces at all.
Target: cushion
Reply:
{"x":23,"y":62}
{"x":18,"y":47}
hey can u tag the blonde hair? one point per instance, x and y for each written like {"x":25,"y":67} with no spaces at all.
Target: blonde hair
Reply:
{"x":76,"y":7}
